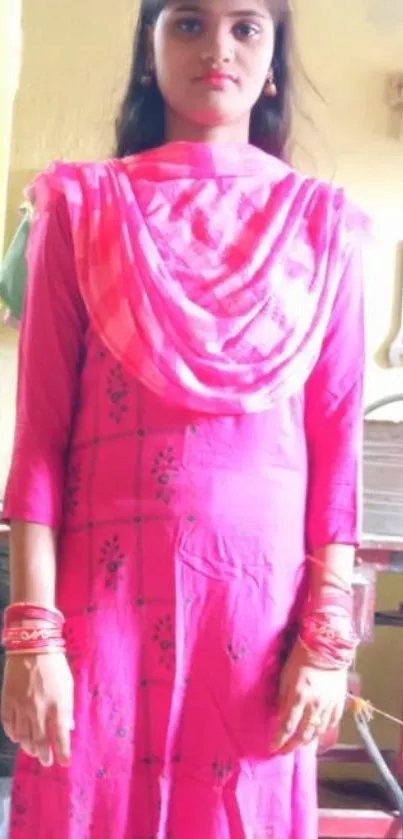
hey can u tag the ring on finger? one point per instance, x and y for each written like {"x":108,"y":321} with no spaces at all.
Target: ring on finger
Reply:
{"x":310,"y":734}
{"x":312,"y":729}
{"x":315,"y":722}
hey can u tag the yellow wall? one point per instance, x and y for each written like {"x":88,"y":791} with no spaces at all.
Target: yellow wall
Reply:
{"x":75,"y":62}
{"x":10,"y":50}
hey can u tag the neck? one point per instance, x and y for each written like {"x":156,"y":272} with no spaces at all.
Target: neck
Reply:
{"x":178,"y":130}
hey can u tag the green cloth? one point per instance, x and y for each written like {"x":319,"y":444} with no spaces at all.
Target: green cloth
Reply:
{"x":13,"y":271}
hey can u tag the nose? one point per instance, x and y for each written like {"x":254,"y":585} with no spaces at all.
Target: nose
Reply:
{"x":217,"y":48}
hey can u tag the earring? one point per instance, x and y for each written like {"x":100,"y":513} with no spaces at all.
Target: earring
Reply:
{"x":270,"y":88}
{"x":147,"y":78}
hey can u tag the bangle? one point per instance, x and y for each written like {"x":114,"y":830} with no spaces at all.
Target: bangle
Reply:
{"x":19,"y":612}
{"x":42,"y":651}
{"x":329,"y":638}
{"x":17,"y":636}
{"x":23,"y":637}
{"x":322,"y":663}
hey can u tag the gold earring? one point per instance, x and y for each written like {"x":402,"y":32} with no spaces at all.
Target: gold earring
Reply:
{"x":270,"y":88}
{"x":147,"y":79}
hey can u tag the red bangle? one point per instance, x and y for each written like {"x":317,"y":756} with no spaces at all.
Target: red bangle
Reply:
{"x":43,"y":651}
{"x":18,"y":612}
{"x":38,"y":646}
{"x":329,"y":638}
{"x":33,"y":644}
{"x":33,"y":635}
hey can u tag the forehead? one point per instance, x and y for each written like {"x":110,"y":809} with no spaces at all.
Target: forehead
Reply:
{"x":267,"y":8}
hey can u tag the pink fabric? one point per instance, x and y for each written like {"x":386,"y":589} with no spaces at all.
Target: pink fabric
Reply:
{"x":181,"y":569}
{"x":216,"y":317}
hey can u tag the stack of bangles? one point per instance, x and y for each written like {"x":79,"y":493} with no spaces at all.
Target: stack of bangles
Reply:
{"x":326,"y":632}
{"x":32,"y":630}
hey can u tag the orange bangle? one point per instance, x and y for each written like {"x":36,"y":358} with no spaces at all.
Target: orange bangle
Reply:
{"x":40,"y":651}
{"x":318,"y":662}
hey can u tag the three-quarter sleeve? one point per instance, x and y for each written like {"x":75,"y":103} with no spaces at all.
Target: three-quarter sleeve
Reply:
{"x":50,"y":351}
{"x":334,"y":418}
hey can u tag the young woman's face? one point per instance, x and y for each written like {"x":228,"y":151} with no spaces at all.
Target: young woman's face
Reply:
{"x":212,"y":58}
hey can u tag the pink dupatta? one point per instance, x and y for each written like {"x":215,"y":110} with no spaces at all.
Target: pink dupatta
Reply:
{"x":208,"y":271}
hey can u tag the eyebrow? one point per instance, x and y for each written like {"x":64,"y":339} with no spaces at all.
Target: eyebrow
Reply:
{"x":195,"y":7}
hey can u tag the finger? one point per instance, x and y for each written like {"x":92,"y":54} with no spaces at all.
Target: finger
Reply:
{"x":59,"y":734}
{"x":43,"y":749}
{"x":325,"y":722}
{"x":24,"y":734}
{"x":288,"y":724}
{"x":44,"y":753}
{"x":306,"y":732}
{"x":336,"y":715}
{"x":29,"y":747}
{"x":9,"y":719}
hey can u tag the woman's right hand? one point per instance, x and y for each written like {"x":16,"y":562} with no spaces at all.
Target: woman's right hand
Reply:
{"x":37,"y":706}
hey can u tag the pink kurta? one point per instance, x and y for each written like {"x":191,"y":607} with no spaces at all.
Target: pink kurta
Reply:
{"x":180,"y":571}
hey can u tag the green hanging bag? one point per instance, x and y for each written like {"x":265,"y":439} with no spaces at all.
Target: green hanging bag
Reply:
{"x":13,"y":271}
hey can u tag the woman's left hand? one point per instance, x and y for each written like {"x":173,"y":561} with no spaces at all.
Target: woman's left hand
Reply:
{"x":310,"y":702}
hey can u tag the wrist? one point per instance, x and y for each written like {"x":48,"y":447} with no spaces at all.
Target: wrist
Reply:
{"x":32,"y":629}
{"x":326,"y":583}
{"x":327,"y":636}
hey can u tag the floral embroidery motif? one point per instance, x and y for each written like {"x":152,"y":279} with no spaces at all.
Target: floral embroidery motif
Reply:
{"x":149,"y":760}
{"x":165,"y":638}
{"x":221,"y":770}
{"x":117,"y":390}
{"x":79,"y":808}
{"x":120,"y":721}
{"x":236,"y":652}
{"x":72,"y":488}
{"x":113,"y":559}
{"x":166,"y":472}
{"x":19,"y":808}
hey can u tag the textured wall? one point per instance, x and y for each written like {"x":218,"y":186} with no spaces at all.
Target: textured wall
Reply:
{"x":10,"y":56}
{"x":75,"y":63}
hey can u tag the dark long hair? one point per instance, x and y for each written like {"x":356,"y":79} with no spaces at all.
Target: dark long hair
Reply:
{"x":140,"y":123}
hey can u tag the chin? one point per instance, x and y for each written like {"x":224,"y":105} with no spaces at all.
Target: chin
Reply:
{"x":213,"y":117}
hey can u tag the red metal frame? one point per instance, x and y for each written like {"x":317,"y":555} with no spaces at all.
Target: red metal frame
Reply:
{"x":358,"y":824}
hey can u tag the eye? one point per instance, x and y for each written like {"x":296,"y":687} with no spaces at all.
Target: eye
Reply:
{"x":244,"y":31}
{"x":188,"y":25}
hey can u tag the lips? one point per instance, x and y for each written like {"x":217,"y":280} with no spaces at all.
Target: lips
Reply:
{"x":218,"y":80}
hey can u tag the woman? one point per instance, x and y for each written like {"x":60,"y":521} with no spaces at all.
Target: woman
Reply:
{"x":188,"y":432}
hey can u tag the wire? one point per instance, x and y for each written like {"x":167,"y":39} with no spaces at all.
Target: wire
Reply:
{"x":363,"y":711}
{"x":389,"y":781}
{"x":357,"y":705}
